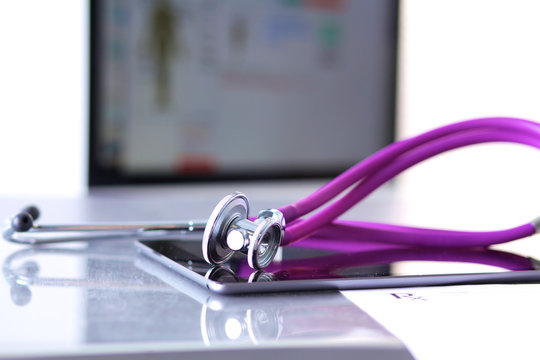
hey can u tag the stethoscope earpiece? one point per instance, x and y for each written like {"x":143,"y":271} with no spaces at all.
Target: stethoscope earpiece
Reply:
{"x":229,"y":230}
{"x":24,"y":220}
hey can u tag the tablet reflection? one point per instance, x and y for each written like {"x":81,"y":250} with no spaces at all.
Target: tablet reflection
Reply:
{"x":271,"y":317}
{"x":336,"y":266}
{"x":128,"y":297}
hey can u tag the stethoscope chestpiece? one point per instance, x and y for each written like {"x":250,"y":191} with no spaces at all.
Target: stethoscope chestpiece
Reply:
{"x":229,"y":230}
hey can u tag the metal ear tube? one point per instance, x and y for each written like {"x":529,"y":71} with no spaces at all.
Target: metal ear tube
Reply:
{"x":228,"y":230}
{"x":22,"y":229}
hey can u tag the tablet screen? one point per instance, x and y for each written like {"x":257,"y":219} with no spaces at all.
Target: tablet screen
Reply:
{"x":315,"y":259}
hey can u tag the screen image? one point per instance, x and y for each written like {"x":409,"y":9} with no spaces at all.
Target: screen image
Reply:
{"x":206,"y":89}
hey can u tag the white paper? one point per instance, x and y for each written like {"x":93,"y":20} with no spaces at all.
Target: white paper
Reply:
{"x":459,"y":322}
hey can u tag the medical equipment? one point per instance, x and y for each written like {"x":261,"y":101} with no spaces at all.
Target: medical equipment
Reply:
{"x":230,"y":229}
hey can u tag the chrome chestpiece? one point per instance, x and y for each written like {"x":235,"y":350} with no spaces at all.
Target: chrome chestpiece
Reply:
{"x":229,"y":230}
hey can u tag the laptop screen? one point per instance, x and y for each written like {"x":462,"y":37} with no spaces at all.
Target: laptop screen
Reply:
{"x":206,"y":89}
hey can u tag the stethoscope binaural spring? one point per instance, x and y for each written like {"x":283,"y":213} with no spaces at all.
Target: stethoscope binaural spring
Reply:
{"x":230,"y":229}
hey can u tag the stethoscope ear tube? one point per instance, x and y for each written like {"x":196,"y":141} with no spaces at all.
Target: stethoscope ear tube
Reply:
{"x":22,"y":229}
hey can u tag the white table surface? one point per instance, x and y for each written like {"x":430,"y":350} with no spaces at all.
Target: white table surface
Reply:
{"x":85,"y":300}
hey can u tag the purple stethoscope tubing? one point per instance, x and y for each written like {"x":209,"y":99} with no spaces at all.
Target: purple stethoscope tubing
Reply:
{"x":371,"y":173}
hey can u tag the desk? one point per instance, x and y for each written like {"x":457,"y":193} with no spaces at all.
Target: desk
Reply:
{"x":102,"y":299}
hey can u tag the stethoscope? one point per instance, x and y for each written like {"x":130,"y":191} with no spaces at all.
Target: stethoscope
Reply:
{"x":230,"y":229}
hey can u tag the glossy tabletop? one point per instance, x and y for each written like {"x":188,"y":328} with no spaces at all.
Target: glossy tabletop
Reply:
{"x":103,"y":299}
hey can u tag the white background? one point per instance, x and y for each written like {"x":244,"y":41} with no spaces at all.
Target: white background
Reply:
{"x":463,"y":59}
{"x":43,"y":90}
{"x":460,"y":59}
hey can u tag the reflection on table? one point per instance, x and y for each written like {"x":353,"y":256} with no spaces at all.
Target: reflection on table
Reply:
{"x":128,"y":298}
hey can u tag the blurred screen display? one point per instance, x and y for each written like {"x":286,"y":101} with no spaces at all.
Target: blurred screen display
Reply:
{"x":233,"y":89}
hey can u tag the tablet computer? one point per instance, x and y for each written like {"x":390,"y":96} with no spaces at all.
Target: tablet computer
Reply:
{"x":314,"y":264}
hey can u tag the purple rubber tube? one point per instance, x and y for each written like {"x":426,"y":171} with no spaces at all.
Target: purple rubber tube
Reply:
{"x":352,"y":257}
{"x":413,"y":236}
{"x":346,"y":260}
{"x":523,"y":132}
{"x":387,"y":155}
{"x":302,"y":229}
